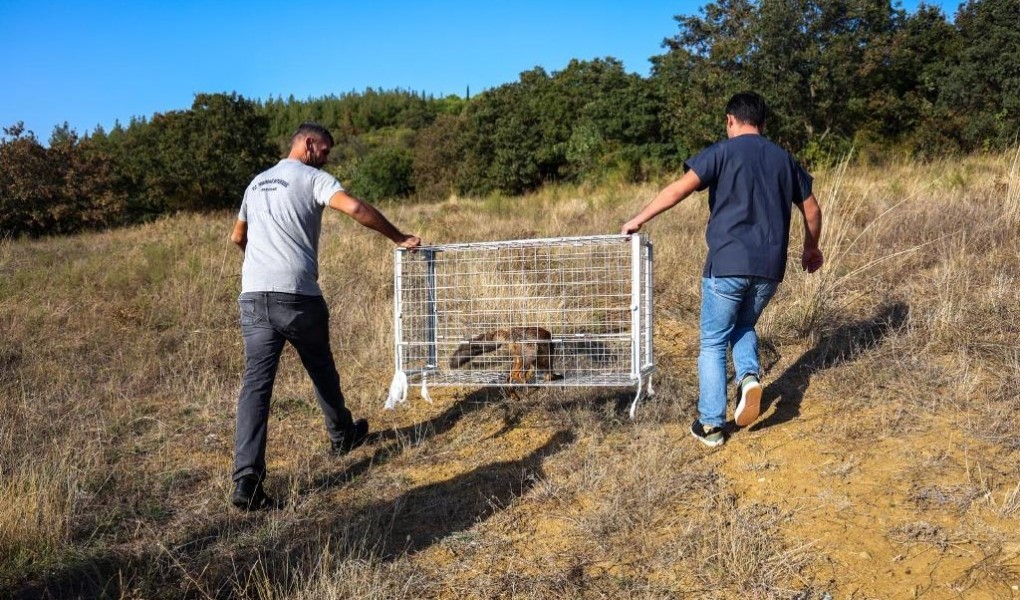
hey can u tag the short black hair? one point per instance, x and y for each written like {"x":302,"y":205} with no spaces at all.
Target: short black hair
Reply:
{"x":748,"y":107}
{"x":310,"y":128}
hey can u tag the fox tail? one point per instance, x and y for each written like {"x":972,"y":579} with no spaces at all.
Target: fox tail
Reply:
{"x":480,"y":344}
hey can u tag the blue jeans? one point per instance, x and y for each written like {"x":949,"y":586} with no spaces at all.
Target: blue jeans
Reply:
{"x":730,"y":307}
{"x":268,"y":320}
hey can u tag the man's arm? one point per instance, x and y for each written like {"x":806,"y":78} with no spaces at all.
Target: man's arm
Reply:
{"x":670,"y":196}
{"x":369,"y":216}
{"x":811,"y":259}
{"x":239,"y":235}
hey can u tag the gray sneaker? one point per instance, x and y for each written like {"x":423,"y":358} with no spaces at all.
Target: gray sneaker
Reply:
{"x":711,"y":436}
{"x":749,"y":406}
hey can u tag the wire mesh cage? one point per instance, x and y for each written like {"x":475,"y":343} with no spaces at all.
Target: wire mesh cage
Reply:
{"x":572,"y":311}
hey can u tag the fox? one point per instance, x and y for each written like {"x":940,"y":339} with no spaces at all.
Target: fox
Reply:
{"x":530,"y":348}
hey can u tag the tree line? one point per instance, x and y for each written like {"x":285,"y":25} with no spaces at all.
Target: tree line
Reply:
{"x":838,"y":75}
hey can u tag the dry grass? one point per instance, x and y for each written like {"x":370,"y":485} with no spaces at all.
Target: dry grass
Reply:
{"x":888,"y":445}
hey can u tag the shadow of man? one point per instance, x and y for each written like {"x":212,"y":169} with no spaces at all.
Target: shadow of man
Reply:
{"x":386,"y":529}
{"x":104,"y":574}
{"x":430,"y":513}
{"x":222,"y":558}
{"x":844,"y":344}
{"x":394,"y":440}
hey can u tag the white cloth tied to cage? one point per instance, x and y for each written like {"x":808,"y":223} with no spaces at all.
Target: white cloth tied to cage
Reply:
{"x":398,"y":390}
{"x":637,"y":397}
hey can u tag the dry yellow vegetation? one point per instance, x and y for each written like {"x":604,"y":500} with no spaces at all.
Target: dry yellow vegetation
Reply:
{"x":886,"y":463}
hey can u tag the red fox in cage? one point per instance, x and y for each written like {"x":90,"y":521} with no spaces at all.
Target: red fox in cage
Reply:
{"x":530,"y":348}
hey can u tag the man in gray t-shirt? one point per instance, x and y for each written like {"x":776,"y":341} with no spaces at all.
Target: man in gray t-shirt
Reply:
{"x":278,"y":229}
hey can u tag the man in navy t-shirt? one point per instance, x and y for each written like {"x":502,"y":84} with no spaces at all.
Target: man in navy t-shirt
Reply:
{"x":752,"y":186}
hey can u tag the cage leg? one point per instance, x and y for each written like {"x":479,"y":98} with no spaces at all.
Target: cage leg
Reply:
{"x":633,"y":405}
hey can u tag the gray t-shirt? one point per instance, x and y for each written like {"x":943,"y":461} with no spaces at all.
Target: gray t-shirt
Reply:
{"x":283,"y":208}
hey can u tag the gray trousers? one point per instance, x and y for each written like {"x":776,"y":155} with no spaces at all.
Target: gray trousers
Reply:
{"x":268,"y":320}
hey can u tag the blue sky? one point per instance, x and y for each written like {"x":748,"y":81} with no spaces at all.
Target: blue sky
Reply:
{"x":93,"y":63}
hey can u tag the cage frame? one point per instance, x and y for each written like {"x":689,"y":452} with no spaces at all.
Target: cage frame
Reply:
{"x":640,"y":334}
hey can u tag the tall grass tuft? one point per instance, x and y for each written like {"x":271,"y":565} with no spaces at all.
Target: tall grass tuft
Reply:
{"x":1011,"y":205}
{"x":37,"y":510}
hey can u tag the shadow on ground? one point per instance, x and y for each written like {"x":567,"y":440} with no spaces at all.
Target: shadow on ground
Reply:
{"x":844,"y":344}
{"x":225,"y":555}
{"x":390,"y":443}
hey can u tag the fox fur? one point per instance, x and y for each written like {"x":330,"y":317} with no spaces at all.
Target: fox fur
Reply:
{"x":530,"y":348}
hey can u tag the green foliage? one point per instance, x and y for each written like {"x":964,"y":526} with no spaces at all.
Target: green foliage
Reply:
{"x":585,"y":147}
{"x":64,"y":188}
{"x":612,"y":115}
{"x":980,"y":96}
{"x":839,"y":76}
{"x":351,"y":115}
{"x":570,"y":125}
{"x":838,"y":73}
{"x":203,"y":158}
{"x":383,"y":173}
{"x":823,"y":66}
{"x":507,"y":134}
{"x":197,"y":159}
{"x":439,"y":158}
{"x":27,"y":185}
{"x":704,"y":66}
{"x":230,"y":147}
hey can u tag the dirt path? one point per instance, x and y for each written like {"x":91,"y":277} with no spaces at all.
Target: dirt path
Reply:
{"x":883,"y":504}
{"x":905,"y":513}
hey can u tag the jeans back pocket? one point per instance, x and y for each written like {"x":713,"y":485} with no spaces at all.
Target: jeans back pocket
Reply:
{"x":247,"y":311}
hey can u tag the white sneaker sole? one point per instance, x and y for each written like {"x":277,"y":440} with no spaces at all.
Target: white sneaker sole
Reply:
{"x":750,"y":404}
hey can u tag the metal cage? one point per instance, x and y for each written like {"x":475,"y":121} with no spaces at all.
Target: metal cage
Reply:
{"x":592,"y":294}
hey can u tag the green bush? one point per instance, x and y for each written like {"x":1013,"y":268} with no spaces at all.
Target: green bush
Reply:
{"x":383,"y":173}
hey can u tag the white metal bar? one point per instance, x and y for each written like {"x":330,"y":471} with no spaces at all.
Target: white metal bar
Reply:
{"x":398,"y":333}
{"x":649,"y":308}
{"x":579,"y":241}
{"x":635,"y":306}
{"x":430,"y":308}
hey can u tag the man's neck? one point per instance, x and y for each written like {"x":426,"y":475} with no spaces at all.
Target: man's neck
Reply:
{"x":743,"y":129}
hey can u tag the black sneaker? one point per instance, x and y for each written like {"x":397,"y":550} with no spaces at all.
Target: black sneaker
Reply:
{"x":711,"y":437}
{"x":352,"y":439}
{"x":248,"y":494}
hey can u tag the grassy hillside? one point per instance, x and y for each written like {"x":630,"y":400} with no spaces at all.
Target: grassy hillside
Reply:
{"x":885,"y":464}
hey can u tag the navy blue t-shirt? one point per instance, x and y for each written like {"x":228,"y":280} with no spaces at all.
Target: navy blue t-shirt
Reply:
{"x":752,"y":186}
